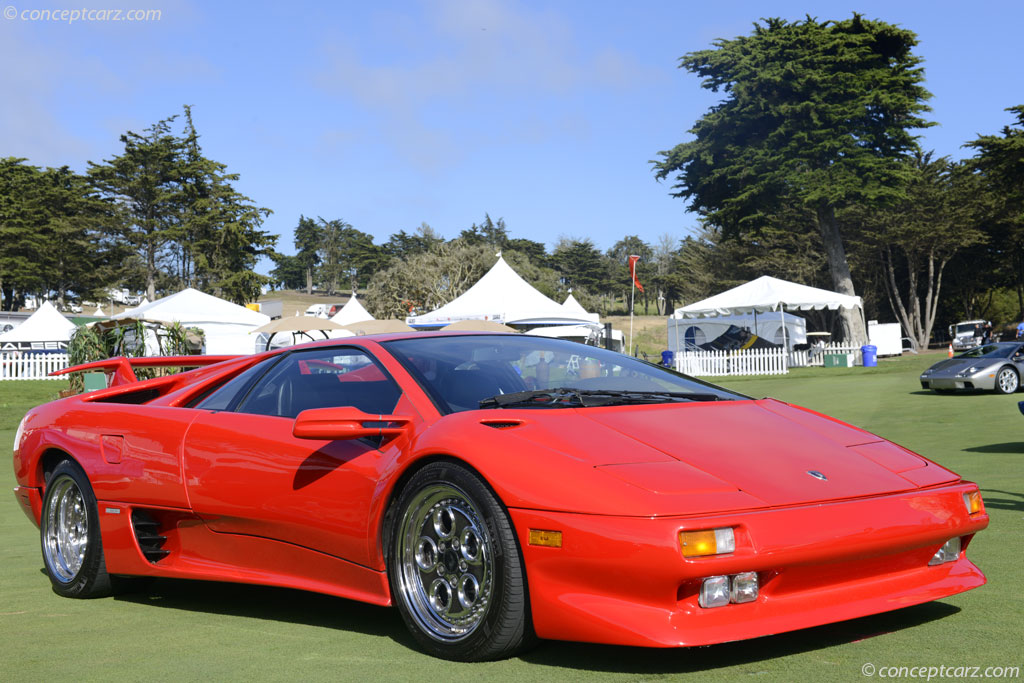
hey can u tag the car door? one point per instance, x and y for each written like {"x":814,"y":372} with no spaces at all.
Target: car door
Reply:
{"x":247,"y":474}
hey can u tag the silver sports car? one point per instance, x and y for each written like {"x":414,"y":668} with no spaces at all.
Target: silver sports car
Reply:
{"x":993,"y":367}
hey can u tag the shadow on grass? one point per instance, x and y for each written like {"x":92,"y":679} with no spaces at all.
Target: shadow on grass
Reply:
{"x":636,"y":660}
{"x":1015,"y":447}
{"x":300,"y":607}
{"x":273,"y":604}
{"x":1013,"y":501}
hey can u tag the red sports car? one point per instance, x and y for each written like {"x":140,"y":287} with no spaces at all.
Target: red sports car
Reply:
{"x":495,"y":488}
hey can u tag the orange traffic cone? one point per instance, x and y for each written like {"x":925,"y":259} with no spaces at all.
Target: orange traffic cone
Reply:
{"x":951,"y":350}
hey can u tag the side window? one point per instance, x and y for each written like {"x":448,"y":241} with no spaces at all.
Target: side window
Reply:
{"x":221,"y":398}
{"x":322,"y":378}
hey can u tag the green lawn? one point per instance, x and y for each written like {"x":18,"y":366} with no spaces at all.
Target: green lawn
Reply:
{"x":182,"y":630}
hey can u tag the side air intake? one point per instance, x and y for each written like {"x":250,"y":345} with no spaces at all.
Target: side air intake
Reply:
{"x":147,"y":534}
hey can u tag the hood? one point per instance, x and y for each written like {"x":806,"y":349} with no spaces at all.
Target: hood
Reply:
{"x":951,"y":366}
{"x":760,"y":452}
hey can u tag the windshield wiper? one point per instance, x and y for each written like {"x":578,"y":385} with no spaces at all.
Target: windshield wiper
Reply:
{"x":567,"y":397}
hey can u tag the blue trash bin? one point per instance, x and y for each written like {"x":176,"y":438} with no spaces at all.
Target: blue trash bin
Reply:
{"x":869,"y":353}
{"x":667,"y":358}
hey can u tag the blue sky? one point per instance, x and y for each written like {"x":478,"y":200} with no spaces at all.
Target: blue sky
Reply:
{"x":390,"y":114}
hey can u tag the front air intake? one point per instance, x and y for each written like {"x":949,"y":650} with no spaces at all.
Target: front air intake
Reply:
{"x":501,"y":424}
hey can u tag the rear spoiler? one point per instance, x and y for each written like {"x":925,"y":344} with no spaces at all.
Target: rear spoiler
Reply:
{"x":121,"y":367}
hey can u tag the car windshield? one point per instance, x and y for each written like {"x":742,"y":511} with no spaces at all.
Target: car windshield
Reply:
{"x":967,"y":328}
{"x":496,"y":371}
{"x":991,"y":351}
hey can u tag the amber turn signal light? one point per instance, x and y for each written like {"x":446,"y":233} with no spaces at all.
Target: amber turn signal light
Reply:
{"x":707,"y":542}
{"x":550,"y":539}
{"x":973,"y":502}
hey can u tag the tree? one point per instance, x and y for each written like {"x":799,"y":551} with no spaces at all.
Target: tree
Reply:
{"x":1000,"y":162}
{"x":488,"y":232}
{"x":630,"y":245}
{"x":915,"y":240}
{"x":56,"y":236}
{"x":184,"y":218}
{"x":219,"y":229}
{"x":581,"y":265}
{"x":144,"y":182}
{"x":21,"y":243}
{"x":816,"y":114}
{"x":427,"y":280}
{"x":288,"y":271}
{"x":83,"y":252}
{"x":308,"y":236}
{"x":402,"y":245}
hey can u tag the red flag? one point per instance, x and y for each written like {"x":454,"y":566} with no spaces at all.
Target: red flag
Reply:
{"x":632,"y":272}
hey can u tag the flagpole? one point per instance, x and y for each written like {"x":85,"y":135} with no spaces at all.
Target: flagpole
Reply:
{"x":632,"y":297}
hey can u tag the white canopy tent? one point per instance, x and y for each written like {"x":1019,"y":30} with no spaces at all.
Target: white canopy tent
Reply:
{"x":503,"y":296}
{"x":44,"y":330}
{"x":352,"y":312}
{"x":226,"y":325}
{"x":574,"y":307}
{"x":767,"y":294}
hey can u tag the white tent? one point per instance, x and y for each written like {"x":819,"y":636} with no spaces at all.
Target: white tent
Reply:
{"x":501,"y":295}
{"x":768,"y":294}
{"x":226,"y":325}
{"x":44,"y":330}
{"x":765,"y":294}
{"x":352,"y":312}
{"x":574,"y":307}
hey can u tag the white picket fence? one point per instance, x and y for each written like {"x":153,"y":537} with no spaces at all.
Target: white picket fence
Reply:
{"x":22,"y":365}
{"x":757,"y":361}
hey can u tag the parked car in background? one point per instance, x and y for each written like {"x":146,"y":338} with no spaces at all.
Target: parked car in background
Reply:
{"x":992,"y":367}
{"x":969,"y":333}
{"x":323,"y":310}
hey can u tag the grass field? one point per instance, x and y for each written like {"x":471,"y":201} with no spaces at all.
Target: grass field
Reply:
{"x":183,"y":631}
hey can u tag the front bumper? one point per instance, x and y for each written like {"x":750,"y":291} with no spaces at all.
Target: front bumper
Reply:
{"x":624,"y":581}
{"x":985,"y":381}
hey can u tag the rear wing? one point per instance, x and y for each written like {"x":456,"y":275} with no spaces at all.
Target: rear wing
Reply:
{"x":120,"y":368}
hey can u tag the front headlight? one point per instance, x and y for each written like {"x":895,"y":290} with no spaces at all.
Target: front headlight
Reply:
{"x":970,"y":371}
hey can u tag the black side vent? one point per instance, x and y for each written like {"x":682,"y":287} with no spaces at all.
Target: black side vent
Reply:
{"x":147,"y":533}
{"x":130,"y":397}
{"x":501,"y":425}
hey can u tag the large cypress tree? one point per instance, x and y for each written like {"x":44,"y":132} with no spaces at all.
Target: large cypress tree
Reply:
{"x":815,"y":114}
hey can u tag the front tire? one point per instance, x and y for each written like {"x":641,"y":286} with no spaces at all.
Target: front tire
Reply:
{"x":70,"y":535}
{"x":1007,"y":380}
{"x":455,"y":569}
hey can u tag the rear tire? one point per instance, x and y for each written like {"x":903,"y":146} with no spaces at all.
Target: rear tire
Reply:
{"x":455,"y":568}
{"x":69,"y":532}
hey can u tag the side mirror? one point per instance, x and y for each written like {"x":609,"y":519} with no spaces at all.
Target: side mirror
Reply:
{"x":346,"y":422}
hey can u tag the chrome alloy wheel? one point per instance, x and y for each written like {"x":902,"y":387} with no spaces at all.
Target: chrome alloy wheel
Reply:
{"x":1007,"y":381}
{"x":445,"y":563}
{"x":66,"y":537}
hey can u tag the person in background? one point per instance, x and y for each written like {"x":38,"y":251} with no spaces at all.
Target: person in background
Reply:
{"x":1020,"y":330}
